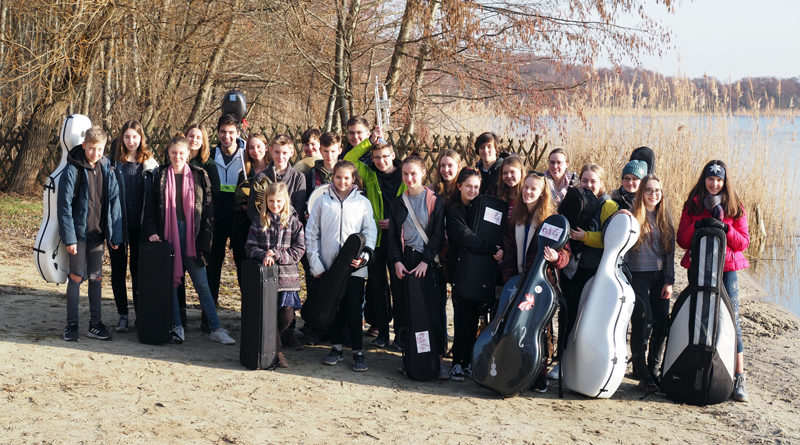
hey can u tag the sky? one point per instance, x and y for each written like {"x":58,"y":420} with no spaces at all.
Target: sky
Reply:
{"x":729,"y":39}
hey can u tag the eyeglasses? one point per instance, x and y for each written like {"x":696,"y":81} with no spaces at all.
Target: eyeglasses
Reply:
{"x":652,"y":191}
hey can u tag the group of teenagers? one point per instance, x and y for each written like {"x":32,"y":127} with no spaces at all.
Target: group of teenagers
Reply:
{"x":248,"y":193}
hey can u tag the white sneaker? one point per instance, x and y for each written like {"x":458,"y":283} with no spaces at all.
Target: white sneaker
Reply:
{"x":177,"y":335}
{"x":220,"y":335}
{"x":553,"y":374}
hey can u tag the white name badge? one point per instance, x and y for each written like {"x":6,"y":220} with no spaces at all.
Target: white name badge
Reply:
{"x":550,"y":231}
{"x":493,"y":216}
{"x":423,"y":341}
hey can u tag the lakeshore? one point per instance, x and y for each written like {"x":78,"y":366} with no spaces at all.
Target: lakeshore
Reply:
{"x":197,"y":392}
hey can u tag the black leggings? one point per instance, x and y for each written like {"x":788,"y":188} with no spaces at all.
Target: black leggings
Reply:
{"x":119,"y":271}
{"x":644,"y":332}
{"x":349,"y":315}
{"x":571,"y":289}
{"x":285,"y":318}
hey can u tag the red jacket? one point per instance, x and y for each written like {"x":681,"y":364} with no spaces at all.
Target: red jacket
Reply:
{"x":738,"y":238}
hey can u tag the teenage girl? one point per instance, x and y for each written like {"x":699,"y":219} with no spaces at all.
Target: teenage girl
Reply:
{"x":179,"y":212}
{"x":509,"y":184}
{"x":278,"y":239}
{"x":651,"y":261}
{"x":414,"y":252}
{"x":255,"y":164}
{"x":714,"y":197}
{"x":558,"y":175}
{"x":134,"y":166}
{"x":519,"y":244}
{"x":336,"y":215}
{"x":632,"y":175}
{"x":460,"y":216}
{"x":448,"y":165}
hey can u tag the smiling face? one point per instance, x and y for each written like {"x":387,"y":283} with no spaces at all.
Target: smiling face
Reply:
{"x":532,"y":190}
{"x":227,"y":135}
{"x":412,"y":176}
{"x":178,"y":153}
{"x":281,"y":154}
{"x":630,"y":183}
{"x":511,"y":176}
{"x":714,"y":185}
{"x":195,"y":138}
{"x":275,"y":203}
{"x":448,"y":168}
{"x":343,"y":180}
{"x":488,"y":154}
{"x":256,"y":149}
{"x":557,"y":165}
{"x":652,"y":194}
{"x":470,"y":189}
{"x":357,"y":133}
{"x":591,"y":181}
{"x":93,"y":151}
{"x":131,"y":139}
{"x":311,"y":148}
{"x":383,"y":159}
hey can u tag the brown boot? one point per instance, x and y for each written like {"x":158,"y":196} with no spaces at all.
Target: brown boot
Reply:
{"x":282,"y":363}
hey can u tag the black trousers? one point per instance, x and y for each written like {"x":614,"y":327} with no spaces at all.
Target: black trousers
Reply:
{"x":571,"y":289}
{"x":223,"y":229}
{"x":119,"y":270}
{"x":649,"y":321}
{"x":382,"y":295}
{"x":465,"y":328}
{"x":349,"y":315}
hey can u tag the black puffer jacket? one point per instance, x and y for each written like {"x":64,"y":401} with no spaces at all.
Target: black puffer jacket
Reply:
{"x":203,"y":210}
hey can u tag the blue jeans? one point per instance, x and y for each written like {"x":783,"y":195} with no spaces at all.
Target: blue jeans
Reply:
{"x":731,"y":283}
{"x":200,"y":282}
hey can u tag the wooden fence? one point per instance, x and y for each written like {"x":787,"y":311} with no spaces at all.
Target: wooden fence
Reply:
{"x":531,"y":152}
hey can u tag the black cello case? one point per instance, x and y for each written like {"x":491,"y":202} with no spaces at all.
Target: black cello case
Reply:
{"x":509,"y":353}
{"x":321,"y":306}
{"x":700,"y":357}
{"x":154,"y":304}
{"x":259,"y":338}
{"x":475,"y":274}
{"x":425,"y":332}
{"x":647,"y":155}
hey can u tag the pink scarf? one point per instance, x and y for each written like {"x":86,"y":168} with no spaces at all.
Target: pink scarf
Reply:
{"x":171,"y":220}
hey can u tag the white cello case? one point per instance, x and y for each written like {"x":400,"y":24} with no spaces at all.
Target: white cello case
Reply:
{"x":595,"y":356}
{"x":319,"y":191}
{"x":49,"y":253}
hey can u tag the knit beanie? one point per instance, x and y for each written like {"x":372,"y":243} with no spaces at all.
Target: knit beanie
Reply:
{"x":636,"y":168}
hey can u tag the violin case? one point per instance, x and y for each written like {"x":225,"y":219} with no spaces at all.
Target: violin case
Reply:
{"x":322,"y":305}
{"x":508,"y":354}
{"x":475,"y":274}
{"x":49,"y":253}
{"x":700,"y":358}
{"x":594,"y":359}
{"x":258,"y":347}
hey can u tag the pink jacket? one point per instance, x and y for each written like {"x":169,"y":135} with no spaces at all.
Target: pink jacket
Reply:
{"x":738,"y":238}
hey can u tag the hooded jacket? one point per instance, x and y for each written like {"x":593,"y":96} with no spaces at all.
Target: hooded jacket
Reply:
{"x":156,"y":205}
{"x":73,"y":200}
{"x":329,"y":224}
{"x":737,"y":238}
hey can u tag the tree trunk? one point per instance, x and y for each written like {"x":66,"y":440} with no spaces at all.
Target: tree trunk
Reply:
{"x":35,"y":145}
{"x":406,"y":24}
{"x":105,"y":55}
{"x":330,"y":110}
{"x":204,"y":93}
{"x":419,"y":71}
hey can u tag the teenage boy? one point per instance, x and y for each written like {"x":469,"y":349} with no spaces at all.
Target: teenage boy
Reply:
{"x":281,"y":152}
{"x":223,"y":173}
{"x":358,"y":138}
{"x":311,"y":144}
{"x":490,"y":164}
{"x":330,"y":147}
{"x":89,"y":214}
{"x":383,"y":182}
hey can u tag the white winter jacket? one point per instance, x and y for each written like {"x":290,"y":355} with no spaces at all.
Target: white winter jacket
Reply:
{"x":330,"y":221}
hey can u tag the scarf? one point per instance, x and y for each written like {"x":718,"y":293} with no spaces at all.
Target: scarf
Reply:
{"x":713,"y":203}
{"x":171,"y":233}
{"x":627,"y":197}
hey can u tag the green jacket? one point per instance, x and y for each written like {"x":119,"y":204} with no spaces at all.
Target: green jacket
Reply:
{"x":372,"y":187}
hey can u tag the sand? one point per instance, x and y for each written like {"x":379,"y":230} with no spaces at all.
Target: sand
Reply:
{"x":123,"y":391}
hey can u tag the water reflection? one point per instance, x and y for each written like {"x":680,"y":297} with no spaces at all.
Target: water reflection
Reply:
{"x":779,"y":272}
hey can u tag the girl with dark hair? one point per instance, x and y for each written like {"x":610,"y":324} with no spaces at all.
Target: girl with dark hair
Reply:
{"x":460,"y":217}
{"x":448,"y":165}
{"x":713,"y":196}
{"x":134,"y":166}
{"x":509,"y":184}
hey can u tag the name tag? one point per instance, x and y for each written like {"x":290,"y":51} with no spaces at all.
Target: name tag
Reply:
{"x":493,"y":216}
{"x":550,"y":231}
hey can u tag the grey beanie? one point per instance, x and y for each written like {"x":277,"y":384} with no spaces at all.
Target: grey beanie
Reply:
{"x":636,"y":168}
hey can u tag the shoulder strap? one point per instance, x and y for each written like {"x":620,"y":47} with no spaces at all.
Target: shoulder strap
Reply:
{"x":414,"y":220}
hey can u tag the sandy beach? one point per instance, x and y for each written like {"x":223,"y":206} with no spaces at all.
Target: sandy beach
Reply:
{"x":126,"y":392}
